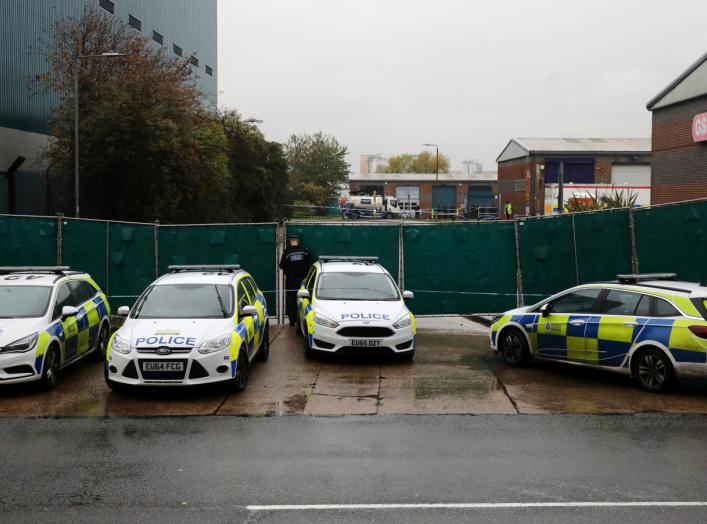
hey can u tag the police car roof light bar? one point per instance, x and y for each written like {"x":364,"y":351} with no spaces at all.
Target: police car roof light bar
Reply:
{"x":57,"y":270}
{"x":367,"y":260}
{"x":645,"y":277}
{"x":225,"y":268}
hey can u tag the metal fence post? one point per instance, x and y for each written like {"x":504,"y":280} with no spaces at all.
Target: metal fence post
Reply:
{"x":108,"y":258}
{"x":156,"y":235}
{"x":278,"y":284}
{"x":632,"y":231}
{"x":59,"y":239}
{"x":520,"y":299}
{"x":574,"y":243}
{"x":401,"y":257}
{"x":282,"y":297}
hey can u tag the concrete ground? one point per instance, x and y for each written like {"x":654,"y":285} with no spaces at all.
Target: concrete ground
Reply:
{"x":453,"y":373}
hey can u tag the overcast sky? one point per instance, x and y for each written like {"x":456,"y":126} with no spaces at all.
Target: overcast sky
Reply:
{"x":384,"y":76}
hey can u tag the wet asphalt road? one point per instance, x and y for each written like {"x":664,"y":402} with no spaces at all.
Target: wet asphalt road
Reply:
{"x":211,"y":468}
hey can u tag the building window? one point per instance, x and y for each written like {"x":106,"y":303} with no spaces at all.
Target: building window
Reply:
{"x":209,"y":71}
{"x":134,"y":23}
{"x":158,"y":37}
{"x":177,"y":50}
{"x":194,"y":61}
{"x":107,"y":5}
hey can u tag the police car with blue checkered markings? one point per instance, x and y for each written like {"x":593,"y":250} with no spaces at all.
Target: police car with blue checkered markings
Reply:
{"x":648,"y":326}
{"x":352,"y":305}
{"x":50,"y":317}
{"x":194,"y":325}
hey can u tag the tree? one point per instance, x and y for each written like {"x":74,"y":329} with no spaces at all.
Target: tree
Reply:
{"x":148,"y":147}
{"x":258,"y":171}
{"x":317,"y":167}
{"x":424,"y":162}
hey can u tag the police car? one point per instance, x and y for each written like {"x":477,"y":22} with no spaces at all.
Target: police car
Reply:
{"x":50,"y":317}
{"x":648,"y":326}
{"x":353,"y":305}
{"x":194,"y":325}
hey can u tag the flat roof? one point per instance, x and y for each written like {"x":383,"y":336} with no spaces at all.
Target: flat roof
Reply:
{"x":455,"y":176}
{"x":523,"y":147}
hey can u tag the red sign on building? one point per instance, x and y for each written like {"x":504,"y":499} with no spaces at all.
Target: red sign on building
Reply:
{"x":699,"y":128}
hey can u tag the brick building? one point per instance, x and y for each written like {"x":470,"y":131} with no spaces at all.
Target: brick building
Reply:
{"x":425,"y":193}
{"x":528,"y":170}
{"x":680,"y":137}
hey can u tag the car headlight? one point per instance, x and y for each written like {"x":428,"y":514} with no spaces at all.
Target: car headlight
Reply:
{"x":120,"y":345}
{"x":22,"y":345}
{"x":403,"y":322}
{"x":215,"y":344}
{"x":324,"y":321}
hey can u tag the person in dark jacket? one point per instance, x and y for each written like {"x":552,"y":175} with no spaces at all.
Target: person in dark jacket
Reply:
{"x":295,"y":263}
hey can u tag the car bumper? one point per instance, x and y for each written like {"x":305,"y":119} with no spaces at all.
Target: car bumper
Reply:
{"x":20,"y":367}
{"x":198,"y":369}
{"x":327,"y":340}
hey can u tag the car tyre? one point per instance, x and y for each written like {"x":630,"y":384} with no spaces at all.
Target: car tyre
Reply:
{"x":514,"y":348}
{"x":264,"y":351}
{"x":50,"y":371}
{"x":309,"y":353}
{"x":240,"y":381}
{"x":653,"y":370}
{"x":299,"y":327}
{"x":102,"y":344}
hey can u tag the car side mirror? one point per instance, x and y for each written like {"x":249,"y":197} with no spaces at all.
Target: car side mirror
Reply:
{"x":408,"y":295}
{"x":545,"y":309}
{"x":69,"y":311}
{"x":123,"y":311}
{"x":303,"y":293}
{"x":249,"y":311}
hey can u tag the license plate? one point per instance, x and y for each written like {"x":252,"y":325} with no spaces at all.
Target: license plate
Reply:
{"x":163,"y":366}
{"x":358,"y":343}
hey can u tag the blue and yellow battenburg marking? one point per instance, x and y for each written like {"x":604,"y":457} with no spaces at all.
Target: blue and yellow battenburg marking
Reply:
{"x":240,"y":336}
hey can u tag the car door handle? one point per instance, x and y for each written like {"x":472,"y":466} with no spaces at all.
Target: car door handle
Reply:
{"x":630,"y":324}
{"x":578,"y":322}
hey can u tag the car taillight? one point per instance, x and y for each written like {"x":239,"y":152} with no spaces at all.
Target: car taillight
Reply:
{"x":699,"y":331}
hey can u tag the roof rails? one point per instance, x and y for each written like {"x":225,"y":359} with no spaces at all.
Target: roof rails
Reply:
{"x":218,"y":268}
{"x":51,"y":270}
{"x":365,"y":260}
{"x":633,"y":278}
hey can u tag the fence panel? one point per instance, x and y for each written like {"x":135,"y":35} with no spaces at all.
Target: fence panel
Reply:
{"x":85,"y":248}
{"x":546,"y":256}
{"x":603,"y":245}
{"x":673,"y":239}
{"x":460,"y":268}
{"x":352,"y":240}
{"x":27,"y":241}
{"x":131,"y":262}
{"x":253,"y":246}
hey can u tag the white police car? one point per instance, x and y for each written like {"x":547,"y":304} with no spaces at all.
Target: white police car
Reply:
{"x":50,"y":317}
{"x":194,"y":325}
{"x":353,"y":305}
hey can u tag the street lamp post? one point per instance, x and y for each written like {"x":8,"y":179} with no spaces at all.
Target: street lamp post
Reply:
{"x":436,"y":161}
{"x":77,"y":71}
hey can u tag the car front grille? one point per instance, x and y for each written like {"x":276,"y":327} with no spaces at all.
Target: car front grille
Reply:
{"x":365,"y":332}
{"x":153,"y":351}
{"x":163,"y":375}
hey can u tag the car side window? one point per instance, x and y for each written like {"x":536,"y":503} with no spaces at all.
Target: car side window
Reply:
{"x":79,"y":292}
{"x":308,"y":278}
{"x":620,"y":302}
{"x":663,"y":308}
{"x":89,"y":289}
{"x":243,"y":298}
{"x":63,"y":298}
{"x":644,"y":306}
{"x":252,"y":288}
{"x":580,"y":301}
{"x":310,"y":283}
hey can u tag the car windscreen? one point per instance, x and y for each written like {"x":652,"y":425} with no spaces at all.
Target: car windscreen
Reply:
{"x":356,"y":286}
{"x":185,"y":301}
{"x":24,"y":301}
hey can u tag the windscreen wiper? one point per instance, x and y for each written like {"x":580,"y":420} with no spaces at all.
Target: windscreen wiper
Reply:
{"x":220,"y":301}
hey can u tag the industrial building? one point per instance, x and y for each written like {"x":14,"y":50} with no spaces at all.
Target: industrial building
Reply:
{"x":427,"y":193}
{"x":529,"y":170}
{"x":680,"y":137}
{"x":184,"y":28}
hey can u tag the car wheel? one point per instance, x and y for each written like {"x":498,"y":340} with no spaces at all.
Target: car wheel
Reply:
{"x":514,"y":348}
{"x":309,"y":353}
{"x":102,"y":344}
{"x":240,"y":381}
{"x":654,"y":371}
{"x":264,"y":351}
{"x":50,"y":372}
{"x":299,"y":327}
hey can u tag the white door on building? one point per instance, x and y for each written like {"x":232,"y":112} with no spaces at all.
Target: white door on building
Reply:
{"x":634,"y":179}
{"x":408,"y":199}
